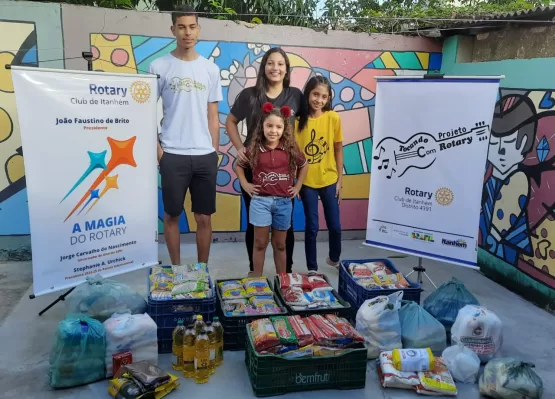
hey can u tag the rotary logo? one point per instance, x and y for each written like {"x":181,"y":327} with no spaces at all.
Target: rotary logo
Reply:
{"x":444,"y":196}
{"x":140,"y":91}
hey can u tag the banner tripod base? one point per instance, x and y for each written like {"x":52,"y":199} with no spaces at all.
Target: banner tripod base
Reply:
{"x":421,"y":270}
{"x":60,"y":298}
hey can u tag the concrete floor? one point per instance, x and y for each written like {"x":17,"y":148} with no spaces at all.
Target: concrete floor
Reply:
{"x":26,"y":338}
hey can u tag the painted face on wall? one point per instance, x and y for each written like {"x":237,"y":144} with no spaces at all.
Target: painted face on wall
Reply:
{"x":504,"y":154}
{"x":186,"y":31}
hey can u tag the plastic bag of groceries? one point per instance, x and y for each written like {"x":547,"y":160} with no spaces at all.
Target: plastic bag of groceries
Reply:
{"x":131,"y":333}
{"x":463,"y":364}
{"x":510,"y":378}
{"x":77,"y":357}
{"x":419,"y":329}
{"x":479,"y":329}
{"x":445,"y":302}
{"x":100,"y":298}
{"x":378,"y":322}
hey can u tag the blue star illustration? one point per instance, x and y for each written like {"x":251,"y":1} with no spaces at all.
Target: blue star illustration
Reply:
{"x":97,"y":162}
{"x":94,"y":194}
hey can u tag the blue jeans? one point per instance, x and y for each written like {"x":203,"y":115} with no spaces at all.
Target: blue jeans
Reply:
{"x":309,"y":197}
{"x":271,"y":211}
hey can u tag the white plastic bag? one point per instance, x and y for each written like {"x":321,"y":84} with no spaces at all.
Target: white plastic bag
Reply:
{"x":378,"y":322}
{"x":479,"y":329}
{"x":131,"y":333}
{"x":510,"y":378}
{"x":419,"y":329}
{"x":463,"y":363}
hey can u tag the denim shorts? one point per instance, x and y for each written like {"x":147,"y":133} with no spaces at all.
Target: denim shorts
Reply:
{"x":271,"y":211}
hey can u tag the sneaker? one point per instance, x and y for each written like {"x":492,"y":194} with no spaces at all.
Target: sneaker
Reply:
{"x":332,"y":263}
{"x":312,"y":272}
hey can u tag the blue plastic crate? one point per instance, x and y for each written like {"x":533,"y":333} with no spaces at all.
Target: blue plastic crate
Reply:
{"x":165,"y":333}
{"x":356,"y":294}
{"x":157,"y":308}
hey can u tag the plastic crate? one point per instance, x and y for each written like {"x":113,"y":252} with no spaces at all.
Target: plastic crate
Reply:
{"x":157,"y":309}
{"x":345,"y":311}
{"x":235,"y":326}
{"x":165,"y":346}
{"x":356,"y":294}
{"x":272,"y":375}
{"x":166,"y":333}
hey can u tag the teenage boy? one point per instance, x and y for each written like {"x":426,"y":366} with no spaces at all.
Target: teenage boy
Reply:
{"x":188,"y":143}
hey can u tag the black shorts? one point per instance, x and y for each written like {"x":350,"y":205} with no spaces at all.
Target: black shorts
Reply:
{"x":196,"y":173}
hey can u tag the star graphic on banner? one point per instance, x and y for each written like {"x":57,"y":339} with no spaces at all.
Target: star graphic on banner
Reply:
{"x":94,"y":194}
{"x":96,"y":162}
{"x":111,"y":182}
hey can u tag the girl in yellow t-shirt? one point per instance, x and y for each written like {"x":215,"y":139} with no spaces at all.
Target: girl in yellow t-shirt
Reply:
{"x":320,"y":137}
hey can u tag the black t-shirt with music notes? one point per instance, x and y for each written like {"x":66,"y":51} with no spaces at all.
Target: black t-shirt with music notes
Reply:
{"x":243,"y":107}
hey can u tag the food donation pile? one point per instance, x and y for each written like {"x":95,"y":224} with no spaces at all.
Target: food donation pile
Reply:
{"x":307,"y":292}
{"x":377,"y":276}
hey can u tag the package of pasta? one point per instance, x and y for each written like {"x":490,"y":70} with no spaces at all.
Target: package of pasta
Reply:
{"x":230,"y":285}
{"x":359,"y":271}
{"x":294,"y":280}
{"x":301,"y":330}
{"x":319,"y":283}
{"x":284,"y":331}
{"x":319,"y":336}
{"x":264,"y":304}
{"x":378,"y":268}
{"x":345,"y":327}
{"x":256,"y":286}
{"x":320,"y":350}
{"x":263,"y":334}
{"x":392,"y":280}
{"x":369,"y":284}
{"x":328,"y":329}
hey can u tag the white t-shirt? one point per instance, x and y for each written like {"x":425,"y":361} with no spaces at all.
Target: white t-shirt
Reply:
{"x":186,"y":88}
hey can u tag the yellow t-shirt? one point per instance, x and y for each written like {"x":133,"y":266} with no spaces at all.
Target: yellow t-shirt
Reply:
{"x":317,"y":142}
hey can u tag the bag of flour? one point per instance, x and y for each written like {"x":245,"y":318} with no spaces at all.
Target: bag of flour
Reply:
{"x":478,"y":329}
{"x":378,"y":322}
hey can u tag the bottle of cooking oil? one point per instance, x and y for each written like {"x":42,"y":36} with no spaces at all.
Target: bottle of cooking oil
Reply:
{"x":219,"y":334}
{"x":177,"y":346}
{"x":189,"y":352}
{"x":212,"y":338}
{"x":199,"y":324}
{"x":202,"y":358}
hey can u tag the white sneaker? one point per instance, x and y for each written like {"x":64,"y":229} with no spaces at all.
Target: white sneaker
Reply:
{"x":312,"y":272}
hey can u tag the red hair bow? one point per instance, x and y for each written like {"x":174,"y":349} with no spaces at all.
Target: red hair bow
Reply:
{"x":267,"y":107}
{"x":285,"y":111}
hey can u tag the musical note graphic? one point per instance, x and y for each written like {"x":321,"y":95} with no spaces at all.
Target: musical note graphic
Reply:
{"x":316,"y":149}
{"x":421,"y":149}
{"x":384,"y":164}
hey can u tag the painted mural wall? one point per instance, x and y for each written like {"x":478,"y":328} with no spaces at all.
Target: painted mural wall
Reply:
{"x":124,"y":50}
{"x":517,"y":220}
{"x":351,"y":73}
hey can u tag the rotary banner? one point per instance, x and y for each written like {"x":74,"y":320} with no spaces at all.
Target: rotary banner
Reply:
{"x":89,"y":145}
{"x":430,"y":147}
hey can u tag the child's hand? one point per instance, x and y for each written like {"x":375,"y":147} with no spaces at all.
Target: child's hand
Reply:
{"x":294,"y":191}
{"x":241,"y":155}
{"x":338,"y":193}
{"x":250,"y":188}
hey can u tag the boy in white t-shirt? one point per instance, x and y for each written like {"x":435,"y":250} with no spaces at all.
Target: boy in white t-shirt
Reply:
{"x":188,"y":143}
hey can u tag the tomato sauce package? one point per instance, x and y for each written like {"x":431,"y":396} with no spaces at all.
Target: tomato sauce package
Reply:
{"x":284,"y":331}
{"x":301,"y":330}
{"x":294,"y":280}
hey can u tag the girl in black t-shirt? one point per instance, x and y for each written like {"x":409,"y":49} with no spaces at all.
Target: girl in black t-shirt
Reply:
{"x":272,"y":85}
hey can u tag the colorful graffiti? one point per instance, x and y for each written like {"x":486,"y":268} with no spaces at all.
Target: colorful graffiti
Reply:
{"x":18,"y":46}
{"x":517,"y":222}
{"x":350,"y":71}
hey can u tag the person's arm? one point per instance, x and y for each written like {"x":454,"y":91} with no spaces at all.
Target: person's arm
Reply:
{"x":214,"y":97}
{"x":250,"y":189}
{"x":302,"y":171}
{"x":338,"y":151}
{"x":214,"y":125}
{"x":231,"y":124}
{"x":152,"y":70}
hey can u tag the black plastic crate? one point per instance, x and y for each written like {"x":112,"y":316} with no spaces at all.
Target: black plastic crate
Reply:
{"x":357,"y":294}
{"x":235,"y":326}
{"x":272,"y":375}
{"x":165,"y":346}
{"x":157,"y":309}
{"x":345,"y":311}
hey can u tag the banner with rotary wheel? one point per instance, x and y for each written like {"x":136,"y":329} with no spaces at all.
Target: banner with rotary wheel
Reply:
{"x":89,"y":144}
{"x":430,"y":145}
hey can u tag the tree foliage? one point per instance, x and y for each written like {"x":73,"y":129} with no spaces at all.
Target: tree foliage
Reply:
{"x":389,"y":16}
